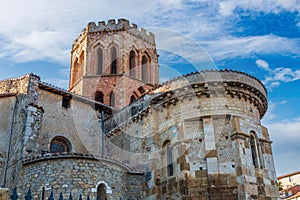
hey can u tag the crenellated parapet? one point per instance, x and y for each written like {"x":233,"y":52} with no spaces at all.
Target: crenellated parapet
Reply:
{"x":121,"y":25}
{"x":108,"y":54}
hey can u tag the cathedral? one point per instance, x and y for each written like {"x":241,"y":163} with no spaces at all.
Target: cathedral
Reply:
{"x":118,"y":134}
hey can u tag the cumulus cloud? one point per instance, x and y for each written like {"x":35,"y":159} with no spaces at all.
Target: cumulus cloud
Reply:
{"x":263,"y":64}
{"x":278,"y":75}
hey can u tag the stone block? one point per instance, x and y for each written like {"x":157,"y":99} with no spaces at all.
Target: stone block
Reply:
{"x":4,"y":193}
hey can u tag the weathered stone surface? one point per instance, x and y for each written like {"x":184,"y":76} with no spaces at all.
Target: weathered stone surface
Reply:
{"x":191,"y":138}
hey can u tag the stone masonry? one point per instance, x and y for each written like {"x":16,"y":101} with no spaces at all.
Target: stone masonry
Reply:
{"x":198,"y":136}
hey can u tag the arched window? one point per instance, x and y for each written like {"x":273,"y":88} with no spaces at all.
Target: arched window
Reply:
{"x":255,"y":150}
{"x":99,"y":96}
{"x":81,"y":67}
{"x":112,"y":99}
{"x":99,"y":61}
{"x":167,"y":157}
{"x":132,"y":64}
{"x":60,"y":144}
{"x":101,"y":192}
{"x":113,"y":52}
{"x":75,"y":71}
{"x":145,"y":68}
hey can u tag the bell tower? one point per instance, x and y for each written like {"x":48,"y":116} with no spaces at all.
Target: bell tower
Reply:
{"x":113,"y":63}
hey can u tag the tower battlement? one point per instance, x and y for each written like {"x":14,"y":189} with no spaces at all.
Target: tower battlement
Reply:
{"x":121,"y":25}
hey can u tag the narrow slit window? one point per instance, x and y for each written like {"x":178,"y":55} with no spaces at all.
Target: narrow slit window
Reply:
{"x":113,"y":60}
{"x":99,"y":61}
{"x":132,"y":64}
{"x":255,"y":151}
{"x":145,"y":70}
{"x":168,"y":157}
{"x":112,"y":99}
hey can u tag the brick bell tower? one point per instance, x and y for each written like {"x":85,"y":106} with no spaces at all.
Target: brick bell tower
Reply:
{"x":113,"y":63}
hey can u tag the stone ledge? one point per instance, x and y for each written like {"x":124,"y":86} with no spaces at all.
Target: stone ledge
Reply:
{"x":8,"y":95}
{"x":65,"y":155}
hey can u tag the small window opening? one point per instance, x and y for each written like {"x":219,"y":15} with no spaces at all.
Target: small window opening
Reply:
{"x":112,"y":99}
{"x":60,"y":144}
{"x":141,"y":89}
{"x":66,"y":102}
{"x":132,"y":98}
{"x":99,"y":96}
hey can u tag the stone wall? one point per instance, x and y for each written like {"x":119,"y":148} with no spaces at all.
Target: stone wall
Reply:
{"x":7,"y":105}
{"x":123,"y":87}
{"x":209,"y":129}
{"x":4,"y":194}
{"x":79,"y":123}
{"x":207,"y":123}
{"x":80,"y":175}
{"x":14,"y":85}
{"x":25,"y":88}
{"x":125,"y":81}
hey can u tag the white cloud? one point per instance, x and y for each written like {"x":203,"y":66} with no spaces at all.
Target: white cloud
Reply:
{"x":270,"y":115}
{"x":278,"y":75}
{"x":227,"y":7}
{"x":39,"y":30}
{"x":233,"y":47}
{"x":262,"y":64}
{"x":172,"y":3}
{"x":37,"y":46}
{"x":183,"y":46}
{"x":36,"y":30}
{"x":285,"y":137}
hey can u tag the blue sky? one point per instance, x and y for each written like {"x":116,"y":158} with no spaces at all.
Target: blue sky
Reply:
{"x":259,"y":37}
